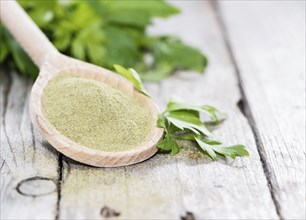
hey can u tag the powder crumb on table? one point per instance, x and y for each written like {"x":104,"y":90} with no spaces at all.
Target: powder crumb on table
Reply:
{"x":194,"y":155}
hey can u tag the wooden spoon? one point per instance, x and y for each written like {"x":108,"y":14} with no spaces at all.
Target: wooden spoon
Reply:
{"x":51,"y":63}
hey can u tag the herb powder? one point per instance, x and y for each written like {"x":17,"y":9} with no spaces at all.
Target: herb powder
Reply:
{"x":95,"y":115}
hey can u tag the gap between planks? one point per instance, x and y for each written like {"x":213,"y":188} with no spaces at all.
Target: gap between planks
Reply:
{"x":246,"y":110}
{"x":59,"y":185}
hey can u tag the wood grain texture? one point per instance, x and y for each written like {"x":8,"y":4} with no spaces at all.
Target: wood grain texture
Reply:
{"x":28,"y":164}
{"x":268,"y":44}
{"x":166,"y":187}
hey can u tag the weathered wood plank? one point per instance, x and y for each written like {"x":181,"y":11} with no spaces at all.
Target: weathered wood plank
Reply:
{"x":166,"y":187}
{"x":268,"y":43}
{"x":29,"y":168}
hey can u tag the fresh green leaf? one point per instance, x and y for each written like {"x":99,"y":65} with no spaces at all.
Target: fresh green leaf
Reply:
{"x":42,"y":12}
{"x":62,"y":39}
{"x":207,"y":148}
{"x":170,"y":54}
{"x":132,"y":12}
{"x":213,"y":147}
{"x":158,"y":73}
{"x":187,"y":136}
{"x":182,"y":121}
{"x":169,"y":144}
{"x":78,"y":49}
{"x":232,"y":151}
{"x":121,"y":47}
{"x":4,"y":50}
{"x":161,"y":121}
{"x":212,"y":142}
{"x":174,"y":52}
{"x":188,"y":120}
{"x":175,"y":104}
{"x":132,"y":76}
{"x":215,"y":115}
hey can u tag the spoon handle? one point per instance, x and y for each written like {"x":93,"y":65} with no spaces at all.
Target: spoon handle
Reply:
{"x":25,"y":31}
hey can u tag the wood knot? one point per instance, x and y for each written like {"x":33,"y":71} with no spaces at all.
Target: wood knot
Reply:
{"x":36,"y":186}
{"x":107,"y":212}
{"x":188,"y":216}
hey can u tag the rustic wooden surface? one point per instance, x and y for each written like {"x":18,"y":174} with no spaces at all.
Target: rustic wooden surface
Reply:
{"x":256,"y":74}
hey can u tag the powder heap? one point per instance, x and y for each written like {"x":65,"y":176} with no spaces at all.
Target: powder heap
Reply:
{"x":95,"y":115}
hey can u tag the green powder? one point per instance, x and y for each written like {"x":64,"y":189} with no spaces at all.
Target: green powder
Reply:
{"x":95,"y":115}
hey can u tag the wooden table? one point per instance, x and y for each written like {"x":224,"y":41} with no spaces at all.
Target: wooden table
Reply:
{"x":256,"y":74}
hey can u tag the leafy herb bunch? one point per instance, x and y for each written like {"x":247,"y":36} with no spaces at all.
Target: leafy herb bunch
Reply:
{"x":105,"y":32}
{"x":182,"y":121}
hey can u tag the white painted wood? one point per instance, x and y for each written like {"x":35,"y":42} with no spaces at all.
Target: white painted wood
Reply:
{"x":268,"y":42}
{"x":24,"y":156}
{"x":166,"y":187}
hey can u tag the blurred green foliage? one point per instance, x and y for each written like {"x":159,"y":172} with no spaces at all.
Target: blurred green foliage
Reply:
{"x":105,"y":33}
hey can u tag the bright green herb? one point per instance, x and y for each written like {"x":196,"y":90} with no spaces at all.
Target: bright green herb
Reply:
{"x":105,"y":32}
{"x":131,"y":75}
{"x":182,"y":121}
{"x":96,"y":115}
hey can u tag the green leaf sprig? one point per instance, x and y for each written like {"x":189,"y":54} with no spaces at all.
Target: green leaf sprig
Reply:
{"x":182,"y":121}
{"x":131,"y":75}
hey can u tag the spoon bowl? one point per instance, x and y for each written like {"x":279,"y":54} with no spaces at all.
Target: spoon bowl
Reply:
{"x":51,"y":63}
